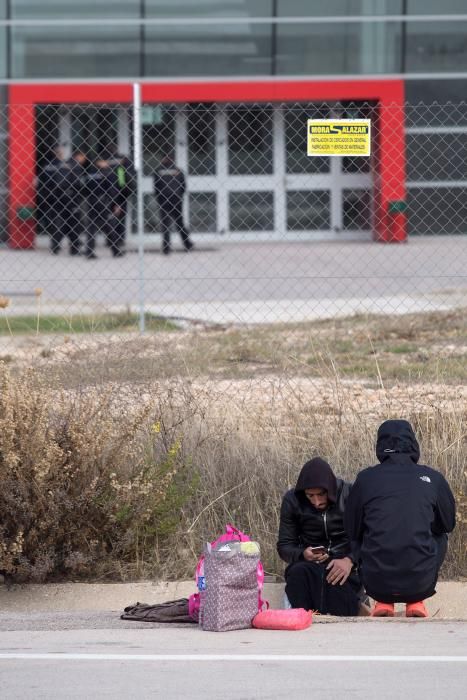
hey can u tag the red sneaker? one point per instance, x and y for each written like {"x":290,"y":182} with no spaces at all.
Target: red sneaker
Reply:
{"x":383,"y":610}
{"x":416,"y":609}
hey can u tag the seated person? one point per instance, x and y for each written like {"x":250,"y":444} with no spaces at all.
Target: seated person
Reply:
{"x":320,"y":575}
{"x":397,"y":518}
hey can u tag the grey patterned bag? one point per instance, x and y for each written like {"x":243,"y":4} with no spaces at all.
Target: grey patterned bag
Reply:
{"x":231,"y":596}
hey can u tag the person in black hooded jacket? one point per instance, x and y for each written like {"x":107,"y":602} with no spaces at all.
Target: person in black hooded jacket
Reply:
{"x":320,"y":574}
{"x":397,"y":518}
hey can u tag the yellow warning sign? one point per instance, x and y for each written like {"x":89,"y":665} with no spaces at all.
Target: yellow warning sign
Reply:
{"x":339,"y":137}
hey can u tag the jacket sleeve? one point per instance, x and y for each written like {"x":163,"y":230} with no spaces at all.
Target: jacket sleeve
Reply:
{"x":445,"y":509}
{"x":353,"y":519}
{"x":289,"y":544}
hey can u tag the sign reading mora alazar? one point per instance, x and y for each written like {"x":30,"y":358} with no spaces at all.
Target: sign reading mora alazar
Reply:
{"x":339,"y":137}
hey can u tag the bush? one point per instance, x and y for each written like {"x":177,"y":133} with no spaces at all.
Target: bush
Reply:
{"x":88,"y":489}
{"x":121,"y":484}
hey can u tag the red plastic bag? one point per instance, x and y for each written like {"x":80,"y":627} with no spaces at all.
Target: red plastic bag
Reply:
{"x":292,"y":619}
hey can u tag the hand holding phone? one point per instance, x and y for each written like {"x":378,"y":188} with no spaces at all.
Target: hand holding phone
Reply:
{"x":318,"y":554}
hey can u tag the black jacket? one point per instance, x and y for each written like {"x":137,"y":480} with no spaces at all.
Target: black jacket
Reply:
{"x":102,"y":190}
{"x":302,"y":525}
{"x":124,"y":177}
{"x":393,"y":516}
{"x":169,"y":186}
{"x":78,"y":182}
{"x":54,"y":187}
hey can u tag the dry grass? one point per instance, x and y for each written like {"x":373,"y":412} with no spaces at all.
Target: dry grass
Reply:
{"x":418,"y":348}
{"x":129,"y":481}
{"x":121,"y":455}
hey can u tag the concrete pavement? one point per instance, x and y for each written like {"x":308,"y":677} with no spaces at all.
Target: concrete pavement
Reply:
{"x":245,"y":282}
{"x":67,"y":641}
{"x":369,"y":658}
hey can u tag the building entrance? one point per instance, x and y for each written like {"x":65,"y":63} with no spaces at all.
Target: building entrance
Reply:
{"x":247,"y":171}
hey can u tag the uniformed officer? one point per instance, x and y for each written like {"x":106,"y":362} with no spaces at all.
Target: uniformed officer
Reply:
{"x":170,"y":187}
{"x":55,"y":192}
{"x":100,"y":195}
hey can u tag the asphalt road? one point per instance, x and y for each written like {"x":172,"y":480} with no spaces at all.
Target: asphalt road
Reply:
{"x":246,"y":282}
{"x":95,"y":655}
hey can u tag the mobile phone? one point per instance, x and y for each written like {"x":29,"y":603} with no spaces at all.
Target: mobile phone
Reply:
{"x":318,"y":549}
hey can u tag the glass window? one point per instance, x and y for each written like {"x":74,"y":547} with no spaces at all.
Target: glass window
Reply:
{"x":215,"y":49}
{"x":75,"y":51}
{"x":327,"y":49}
{"x":3,"y":41}
{"x":203,"y":211}
{"x":357,"y":210}
{"x":297,"y":161}
{"x":308,"y":211}
{"x":158,"y":138}
{"x":94,"y":129}
{"x":336,"y":8}
{"x":324,"y":49}
{"x":201,"y":140}
{"x":251,"y":211}
{"x":433,"y":7}
{"x":250,"y":140}
{"x":436,"y":156}
{"x":437,"y":211}
{"x":67,"y":9}
{"x":47,"y":133}
{"x":436,"y":46}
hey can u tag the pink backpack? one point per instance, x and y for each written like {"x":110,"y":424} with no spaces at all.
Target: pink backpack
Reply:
{"x":195,"y":601}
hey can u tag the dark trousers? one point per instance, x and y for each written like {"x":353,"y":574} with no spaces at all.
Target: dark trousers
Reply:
{"x":64,"y":224}
{"x":98,"y":222}
{"x":420,"y":590}
{"x":115,"y":230}
{"x":103,"y":220}
{"x":306,"y":587}
{"x":169,"y":214}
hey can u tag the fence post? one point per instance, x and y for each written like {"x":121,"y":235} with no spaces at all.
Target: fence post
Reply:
{"x":138,"y":158}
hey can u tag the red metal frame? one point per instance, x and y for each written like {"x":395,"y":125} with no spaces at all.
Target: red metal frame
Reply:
{"x":388,"y":161}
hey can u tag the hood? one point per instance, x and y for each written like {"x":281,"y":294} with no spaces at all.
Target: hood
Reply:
{"x":317,"y":474}
{"x":396,"y":436}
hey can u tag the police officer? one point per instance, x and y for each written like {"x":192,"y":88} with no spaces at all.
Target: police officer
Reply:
{"x":74,"y":218}
{"x":170,"y":187}
{"x":99,"y":197}
{"x":122,"y":186}
{"x":55,"y":202}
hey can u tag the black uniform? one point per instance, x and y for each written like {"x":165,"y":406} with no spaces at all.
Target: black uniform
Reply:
{"x":170,"y":186}
{"x":56,"y":204}
{"x":103,"y":198}
{"x":397,"y":517}
{"x":302,"y":525}
{"x":78,"y":190}
{"x":123,"y":186}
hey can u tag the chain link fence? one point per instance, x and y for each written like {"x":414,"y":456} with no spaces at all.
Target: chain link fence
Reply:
{"x":238,"y":228}
{"x":206,"y":307}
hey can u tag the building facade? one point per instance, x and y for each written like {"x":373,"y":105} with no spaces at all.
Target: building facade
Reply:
{"x":227,"y":87}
